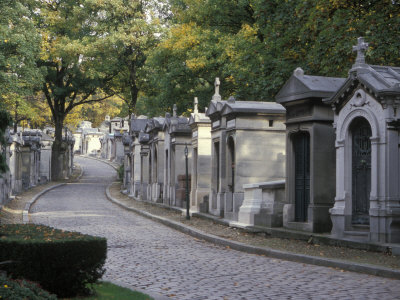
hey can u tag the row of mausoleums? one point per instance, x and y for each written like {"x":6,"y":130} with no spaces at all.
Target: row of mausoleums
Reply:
{"x":28,"y":157}
{"x":324,"y":158}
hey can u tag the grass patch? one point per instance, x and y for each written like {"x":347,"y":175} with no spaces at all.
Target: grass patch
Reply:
{"x":109,"y":291}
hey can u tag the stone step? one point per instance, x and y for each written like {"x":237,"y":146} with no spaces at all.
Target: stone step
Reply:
{"x":356,"y":235}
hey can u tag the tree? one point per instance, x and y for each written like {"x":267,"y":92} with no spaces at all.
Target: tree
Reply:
{"x":75,"y":54}
{"x":254,"y":46}
{"x":19,"y":49}
{"x":133,"y":26}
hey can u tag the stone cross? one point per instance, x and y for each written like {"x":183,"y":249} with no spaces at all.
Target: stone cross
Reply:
{"x":217,"y":96}
{"x":174,"y":111}
{"x":196,"y":105}
{"x":361,"y":48}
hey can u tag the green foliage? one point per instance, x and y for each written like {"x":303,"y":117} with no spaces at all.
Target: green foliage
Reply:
{"x":107,"y":291}
{"x":22,"y":289}
{"x":121,"y":172}
{"x":62,"y":262}
{"x":253,"y":46}
{"x":5,"y":121}
{"x":19,"y":48}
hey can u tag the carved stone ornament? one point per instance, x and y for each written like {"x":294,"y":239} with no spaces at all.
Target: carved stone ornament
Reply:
{"x":359,"y":98}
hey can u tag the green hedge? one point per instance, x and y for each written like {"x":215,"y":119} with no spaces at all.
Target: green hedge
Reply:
{"x":61,"y":262}
{"x":22,"y":289}
{"x":120,"y":172}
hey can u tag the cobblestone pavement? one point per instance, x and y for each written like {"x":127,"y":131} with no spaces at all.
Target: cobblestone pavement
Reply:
{"x":160,"y":260}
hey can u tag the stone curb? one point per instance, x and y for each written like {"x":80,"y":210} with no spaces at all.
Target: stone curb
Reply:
{"x":28,"y":205}
{"x":318,"y":261}
{"x":152,"y":294}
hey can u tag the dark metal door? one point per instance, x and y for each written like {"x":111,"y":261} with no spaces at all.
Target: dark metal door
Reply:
{"x":301,"y":143}
{"x":361,"y":171}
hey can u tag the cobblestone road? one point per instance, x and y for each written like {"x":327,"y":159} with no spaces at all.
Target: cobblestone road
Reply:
{"x":150,"y":256}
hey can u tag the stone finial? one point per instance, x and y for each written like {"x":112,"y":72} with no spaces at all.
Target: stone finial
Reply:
{"x":231,"y":99}
{"x":174,"y":109}
{"x":217,"y":96}
{"x":361,"y":48}
{"x":298,"y":72}
{"x":196,"y":105}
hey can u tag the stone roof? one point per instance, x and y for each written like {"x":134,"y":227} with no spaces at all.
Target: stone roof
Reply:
{"x":251,"y":107}
{"x":138,"y":125}
{"x":198,"y":118}
{"x":215,"y":108}
{"x":46,"y":137}
{"x":156,"y":123}
{"x":380,"y":81}
{"x":176,"y":124}
{"x":300,"y":86}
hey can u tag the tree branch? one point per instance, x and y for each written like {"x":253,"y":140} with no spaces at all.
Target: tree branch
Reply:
{"x":87,"y":101}
{"x":48,"y":98}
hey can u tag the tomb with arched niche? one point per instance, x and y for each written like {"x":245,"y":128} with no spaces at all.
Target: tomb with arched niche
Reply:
{"x":367,"y":123}
{"x":248,"y":147}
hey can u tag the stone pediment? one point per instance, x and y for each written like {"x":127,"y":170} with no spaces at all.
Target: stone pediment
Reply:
{"x":215,"y":108}
{"x":198,"y":118}
{"x":300,"y":86}
{"x":381,"y":82}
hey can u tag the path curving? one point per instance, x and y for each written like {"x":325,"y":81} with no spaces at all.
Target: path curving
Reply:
{"x":149,"y":256}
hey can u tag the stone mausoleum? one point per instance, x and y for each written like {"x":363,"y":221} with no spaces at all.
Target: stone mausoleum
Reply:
{"x":367,"y":124}
{"x":310,"y":148}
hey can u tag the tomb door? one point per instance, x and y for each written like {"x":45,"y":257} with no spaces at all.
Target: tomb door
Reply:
{"x":231,"y":165}
{"x":361,"y":171}
{"x":301,"y":145}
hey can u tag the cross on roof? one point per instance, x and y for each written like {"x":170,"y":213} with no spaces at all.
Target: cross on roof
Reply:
{"x":217,"y":96}
{"x":196,"y":105}
{"x":361,"y":48}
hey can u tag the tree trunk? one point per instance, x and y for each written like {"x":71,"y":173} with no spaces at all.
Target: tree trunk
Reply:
{"x":58,"y":170}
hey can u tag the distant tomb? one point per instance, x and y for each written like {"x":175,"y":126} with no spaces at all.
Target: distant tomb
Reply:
{"x":201,"y":160}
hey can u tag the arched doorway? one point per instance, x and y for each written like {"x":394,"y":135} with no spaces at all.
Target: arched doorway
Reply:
{"x":301,"y":147}
{"x":361,"y":170}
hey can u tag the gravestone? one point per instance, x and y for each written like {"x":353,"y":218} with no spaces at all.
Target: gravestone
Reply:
{"x":255,"y":148}
{"x":367,"y":124}
{"x":310,"y":148}
{"x":15,"y":163}
{"x":201,"y":160}
{"x":177,"y":134}
{"x":45,"y":157}
{"x":156,"y":163}
{"x":218,"y":152}
{"x":137,"y":125}
{"x":145,"y":158}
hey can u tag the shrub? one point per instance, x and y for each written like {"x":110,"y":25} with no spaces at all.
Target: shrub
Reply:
{"x":121,"y":171}
{"x":62,"y":262}
{"x":22,"y":289}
